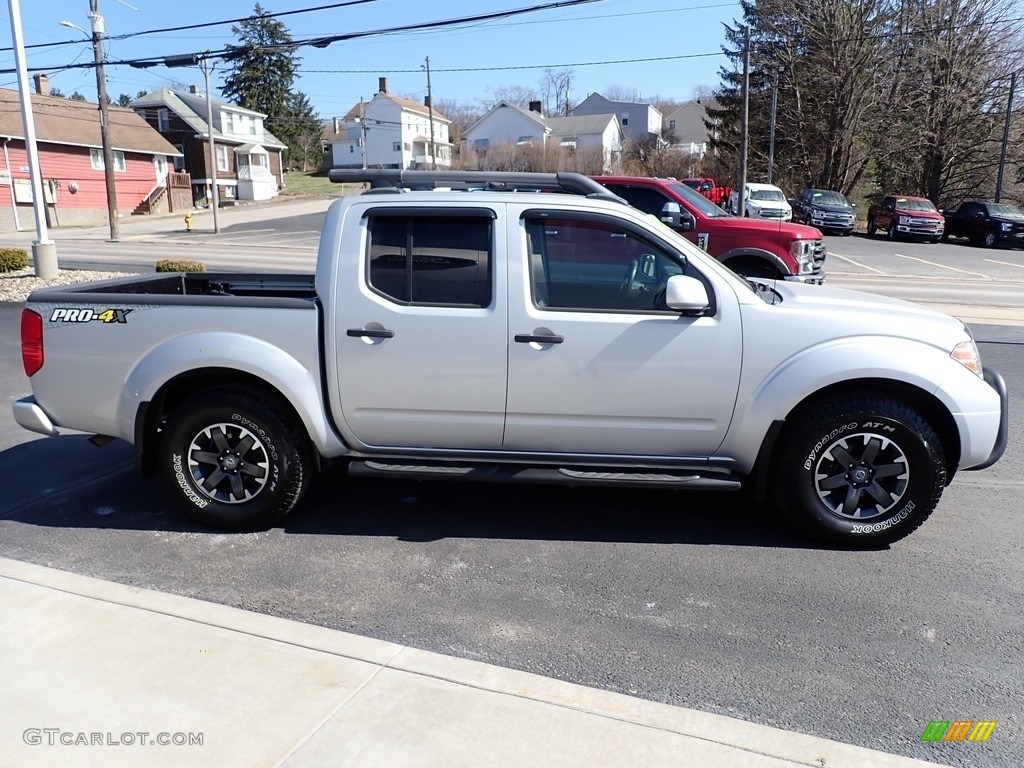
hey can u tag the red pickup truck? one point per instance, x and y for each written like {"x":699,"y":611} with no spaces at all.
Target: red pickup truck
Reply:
{"x":902,"y":216}
{"x":750,"y":247}
{"x":707,"y":187}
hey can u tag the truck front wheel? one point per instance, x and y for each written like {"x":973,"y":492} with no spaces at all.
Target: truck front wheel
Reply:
{"x":233,"y":460}
{"x":861,"y":470}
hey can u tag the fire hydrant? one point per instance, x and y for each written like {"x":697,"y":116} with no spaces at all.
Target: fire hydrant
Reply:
{"x":188,"y":221}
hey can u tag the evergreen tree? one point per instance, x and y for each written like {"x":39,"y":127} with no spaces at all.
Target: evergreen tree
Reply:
{"x":263,"y":70}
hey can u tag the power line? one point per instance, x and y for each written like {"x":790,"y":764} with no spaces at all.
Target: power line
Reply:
{"x":203,"y":25}
{"x":509,"y":68}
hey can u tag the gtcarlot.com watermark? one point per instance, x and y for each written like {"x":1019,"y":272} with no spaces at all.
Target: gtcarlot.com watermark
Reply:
{"x":53,"y":737}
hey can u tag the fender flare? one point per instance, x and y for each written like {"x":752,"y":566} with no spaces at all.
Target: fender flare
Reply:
{"x":194,"y":352}
{"x":908,"y":362}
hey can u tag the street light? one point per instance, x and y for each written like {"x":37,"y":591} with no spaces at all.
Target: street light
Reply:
{"x":206,"y":64}
{"x":98,"y":33}
{"x":44,"y":251}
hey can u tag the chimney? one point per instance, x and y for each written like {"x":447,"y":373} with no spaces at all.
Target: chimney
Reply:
{"x":535,"y":107}
{"x":382,"y":85}
{"x":194,"y":90}
{"x":427,"y":103}
{"x":42,"y":84}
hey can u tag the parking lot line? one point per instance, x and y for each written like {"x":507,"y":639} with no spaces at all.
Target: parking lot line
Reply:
{"x":943,"y":266}
{"x":1006,"y":263}
{"x":856,"y":263}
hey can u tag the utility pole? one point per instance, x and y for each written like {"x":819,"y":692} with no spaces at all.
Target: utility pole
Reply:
{"x":44,"y":250}
{"x":771,"y":132}
{"x":362,"y":129}
{"x":1006,"y":136}
{"x":741,"y":206}
{"x":207,"y":66}
{"x":101,"y":93}
{"x":430,"y":112}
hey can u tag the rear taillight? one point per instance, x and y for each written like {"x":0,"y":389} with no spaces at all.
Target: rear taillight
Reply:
{"x":31,"y":341}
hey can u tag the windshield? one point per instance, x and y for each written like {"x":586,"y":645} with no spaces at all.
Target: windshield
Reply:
{"x":770,"y":195}
{"x":1006,"y":211}
{"x":819,"y":197}
{"x":692,"y":183}
{"x":698,"y":201}
{"x":914,"y":205}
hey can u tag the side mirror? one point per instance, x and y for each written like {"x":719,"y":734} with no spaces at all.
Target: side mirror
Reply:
{"x":671,"y":214}
{"x":686,"y":294}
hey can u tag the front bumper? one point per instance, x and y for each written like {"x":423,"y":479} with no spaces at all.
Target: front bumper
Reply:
{"x":30,"y":416}
{"x":995,"y":380}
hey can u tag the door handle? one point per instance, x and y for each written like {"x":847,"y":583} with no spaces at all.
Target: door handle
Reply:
{"x":372,"y":333}
{"x":529,"y":338}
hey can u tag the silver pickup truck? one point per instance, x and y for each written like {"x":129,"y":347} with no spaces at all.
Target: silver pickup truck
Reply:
{"x":482,"y":326}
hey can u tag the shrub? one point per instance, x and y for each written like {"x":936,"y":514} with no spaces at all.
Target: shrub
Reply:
{"x":13,"y":259}
{"x":180,"y":265}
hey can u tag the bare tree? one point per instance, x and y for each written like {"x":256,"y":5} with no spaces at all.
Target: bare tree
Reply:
{"x":555,"y":89}
{"x":621,"y":93}
{"x":516,"y":95}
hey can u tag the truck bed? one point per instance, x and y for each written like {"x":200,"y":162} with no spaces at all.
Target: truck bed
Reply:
{"x":187,"y":288}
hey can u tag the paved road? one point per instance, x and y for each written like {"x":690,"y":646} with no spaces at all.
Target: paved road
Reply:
{"x":693,"y":600}
{"x":283,"y":236}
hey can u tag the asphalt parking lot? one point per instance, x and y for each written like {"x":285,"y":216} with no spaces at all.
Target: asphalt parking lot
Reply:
{"x":695,"y":600}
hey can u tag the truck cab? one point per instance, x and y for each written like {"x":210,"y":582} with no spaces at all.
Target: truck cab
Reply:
{"x":749,"y":246}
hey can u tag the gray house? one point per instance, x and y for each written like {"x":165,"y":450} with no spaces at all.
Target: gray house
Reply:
{"x":685,"y":127}
{"x":638,"y":120}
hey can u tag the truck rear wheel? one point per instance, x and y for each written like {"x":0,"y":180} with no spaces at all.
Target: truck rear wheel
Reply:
{"x":234,"y":460}
{"x":861,"y":470}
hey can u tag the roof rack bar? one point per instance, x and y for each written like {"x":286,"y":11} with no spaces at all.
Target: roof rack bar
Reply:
{"x":572,"y":183}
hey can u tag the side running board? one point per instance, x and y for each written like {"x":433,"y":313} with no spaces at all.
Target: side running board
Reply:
{"x":510,"y":473}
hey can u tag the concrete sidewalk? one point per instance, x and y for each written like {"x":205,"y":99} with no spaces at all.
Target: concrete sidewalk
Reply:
{"x":98,"y":673}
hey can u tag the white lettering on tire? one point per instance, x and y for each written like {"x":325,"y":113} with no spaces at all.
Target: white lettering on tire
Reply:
{"x":183,"y":482}
{"x":902,"y":515}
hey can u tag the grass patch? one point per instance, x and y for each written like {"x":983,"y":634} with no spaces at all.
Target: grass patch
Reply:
{"x":309,"y":184}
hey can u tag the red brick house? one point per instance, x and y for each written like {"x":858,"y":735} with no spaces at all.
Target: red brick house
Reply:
{"x":248,"y":156}
{"x":71,"y":162}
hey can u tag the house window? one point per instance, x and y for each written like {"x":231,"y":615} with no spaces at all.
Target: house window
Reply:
{"x":222,"y":158}
{"x":397,"y":146}
{"x":432,"y":260}
{"x":671,"y":125}
{"x":96,"y":160}
{"x":163,"y":121}
{"x":569,"y":141}
{"x":524,"y":140}
{"x":625,"y":119}
{"x":179,"y":162}
{"x":481,"y":145}
{"x":408,"y":147}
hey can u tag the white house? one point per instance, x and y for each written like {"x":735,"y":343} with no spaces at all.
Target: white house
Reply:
{"x":390,"y":132}
{"x":506,"y":123}
{"x":638,"y":120}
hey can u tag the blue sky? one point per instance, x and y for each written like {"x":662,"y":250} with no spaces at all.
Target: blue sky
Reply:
{"x":597,"y":40}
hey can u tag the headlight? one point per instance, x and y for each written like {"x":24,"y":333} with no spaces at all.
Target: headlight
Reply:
{"x":803,"y":252}
{"x":905,"y":220}
{"x":966,"y":353}
{"x":1006,"y":226}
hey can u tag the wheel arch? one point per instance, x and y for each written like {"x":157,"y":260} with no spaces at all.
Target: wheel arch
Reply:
{"x":927,"y":404}
{"x":753,"y":257}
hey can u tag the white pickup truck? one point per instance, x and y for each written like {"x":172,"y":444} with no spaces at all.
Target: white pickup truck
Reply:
{"x":493,"y":331}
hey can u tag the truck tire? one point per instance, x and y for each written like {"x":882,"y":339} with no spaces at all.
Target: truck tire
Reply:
{"x":871,"y":228}
{"x":861,"y":470}
{"x":234,"y":460}
{"x":990,"y":240}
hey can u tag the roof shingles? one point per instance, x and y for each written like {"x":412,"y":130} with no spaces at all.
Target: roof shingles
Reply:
{"x":77,"y":123}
